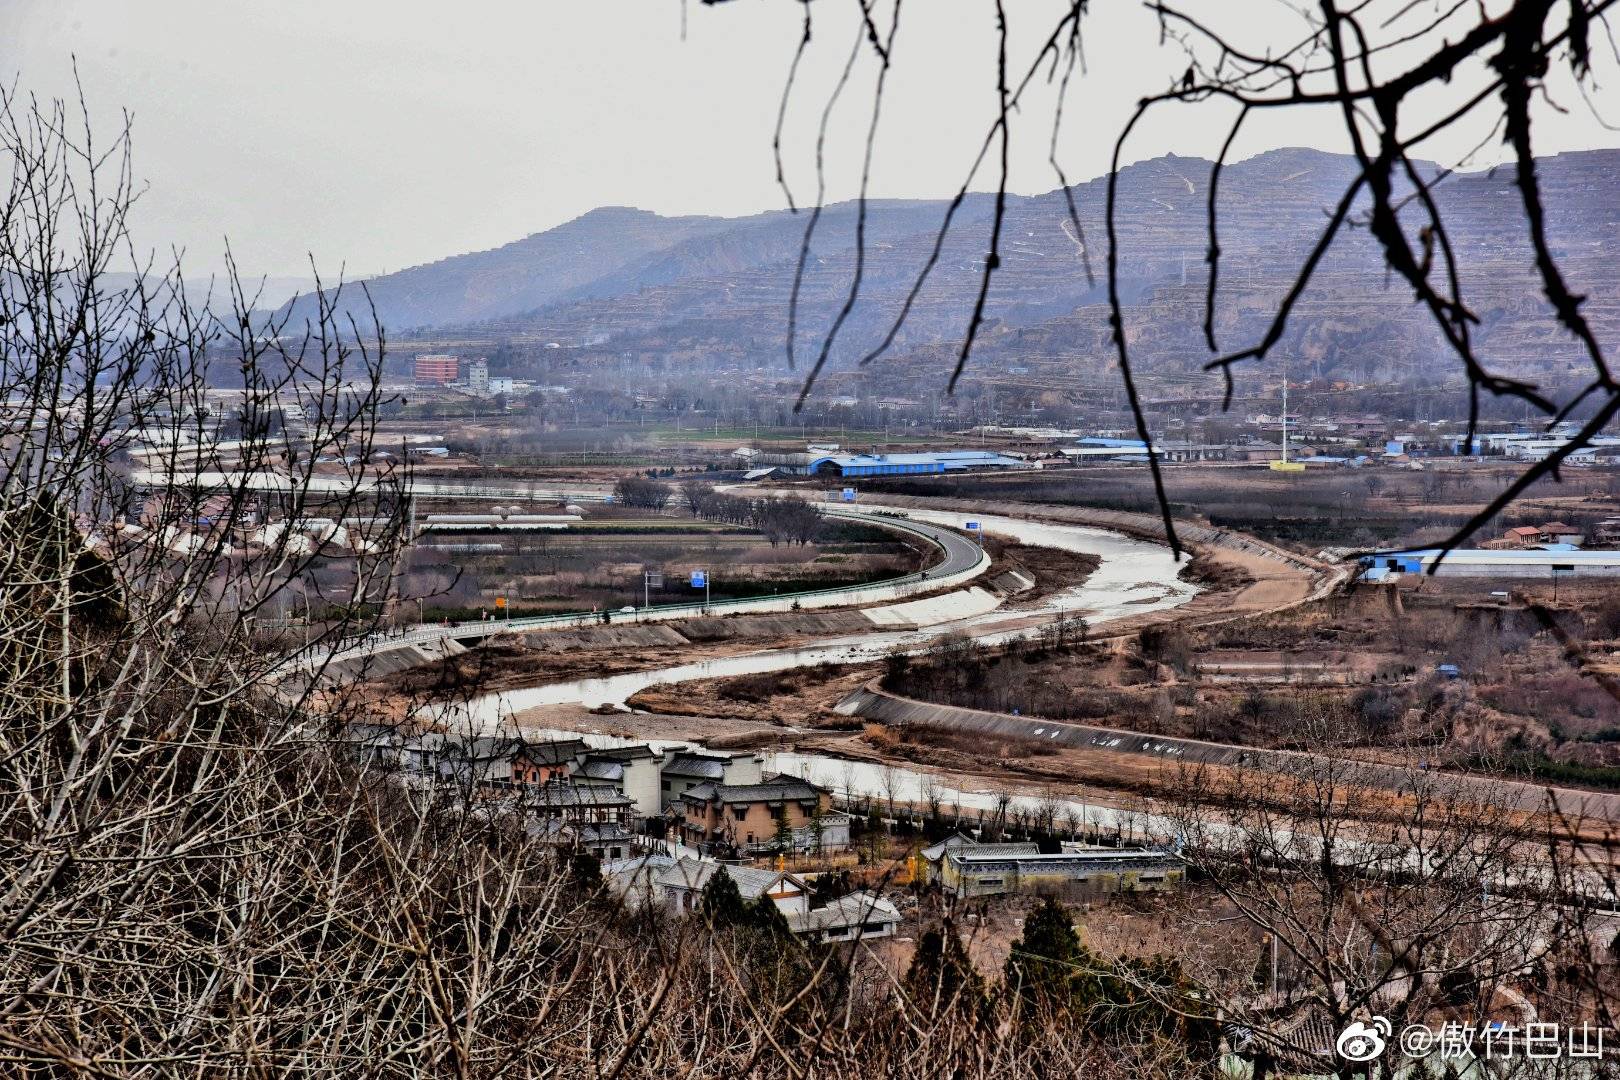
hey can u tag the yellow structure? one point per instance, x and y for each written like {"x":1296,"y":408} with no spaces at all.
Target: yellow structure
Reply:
{"x":1285,"y":465}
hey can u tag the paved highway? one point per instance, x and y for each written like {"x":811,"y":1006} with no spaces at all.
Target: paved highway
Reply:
{"x":961,"y":553}
{"x":962,"y":559}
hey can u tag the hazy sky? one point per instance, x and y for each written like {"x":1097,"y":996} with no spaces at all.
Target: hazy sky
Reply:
{"x":384,"y":133}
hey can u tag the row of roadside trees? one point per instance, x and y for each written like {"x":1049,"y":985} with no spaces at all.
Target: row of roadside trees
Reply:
{"x":791,"y":519}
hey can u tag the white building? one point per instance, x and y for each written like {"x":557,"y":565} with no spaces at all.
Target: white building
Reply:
{"x":633,"y":770}
{"x":686,"y":769}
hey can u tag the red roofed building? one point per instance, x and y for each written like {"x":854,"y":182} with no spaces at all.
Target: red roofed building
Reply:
{"x":1524,"y":534}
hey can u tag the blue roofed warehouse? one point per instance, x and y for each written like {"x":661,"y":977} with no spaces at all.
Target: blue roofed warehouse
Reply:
{"x":1561,"y":561}
{"x":944,"y":461}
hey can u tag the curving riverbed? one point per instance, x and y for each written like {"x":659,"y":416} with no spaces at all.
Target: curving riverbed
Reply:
{"x":1133,"y":577}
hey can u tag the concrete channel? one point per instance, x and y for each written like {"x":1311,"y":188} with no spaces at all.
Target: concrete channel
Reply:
{"x":871,"y":702}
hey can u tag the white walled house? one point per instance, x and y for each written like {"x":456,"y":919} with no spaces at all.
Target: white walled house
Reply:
{"x":684,"y":770}
{"x":634,"y":770}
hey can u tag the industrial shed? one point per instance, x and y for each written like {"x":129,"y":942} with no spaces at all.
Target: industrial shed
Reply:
{"x":1535,"y":563}
{"x":971,"y":869}
{"x":942,"y":461}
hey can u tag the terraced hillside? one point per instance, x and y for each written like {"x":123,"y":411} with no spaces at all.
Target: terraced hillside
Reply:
{"x":619,"y":285}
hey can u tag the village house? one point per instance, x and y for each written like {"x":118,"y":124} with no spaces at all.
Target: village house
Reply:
{"x":481,"y":762}
{"x":634,"y":879}
{"x":685,"y":769}
{"x":608,"y":841}
{"x":1556,"y":532}
{"x":780,"y":812}
{"x":1187,"y":450}
{"x":579,"y":804}
{"x":859,"y":915}
{"x":541,"y":763}
{"x":681,"y":885}
{"x":502,"y":761}
{"x":633,"y":770}
{"x":394,"y":747}
{"x":931,"y":859}
{"x":1254,"y":451}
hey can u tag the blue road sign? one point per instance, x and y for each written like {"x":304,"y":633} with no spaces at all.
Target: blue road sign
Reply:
{"x":849,"y":494}
{"x":699,"y":579}
{"x":973,"y":526}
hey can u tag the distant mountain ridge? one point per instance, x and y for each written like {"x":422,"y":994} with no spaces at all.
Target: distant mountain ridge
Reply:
{"x":645,"y":281}
{"x":542,"y":268}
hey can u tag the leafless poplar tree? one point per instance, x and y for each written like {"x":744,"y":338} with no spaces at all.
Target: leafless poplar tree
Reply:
{"x":1394,"y":76}
{"x":1433,"y":901}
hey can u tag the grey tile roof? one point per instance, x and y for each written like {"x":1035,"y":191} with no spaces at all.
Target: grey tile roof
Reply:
{"x":1096,"y":859}
{"x":602,"y":770}
{"x":999,"y":851}
{"x":933,"y":851}
{"x":496,"y":747}
{"x":651,"y":861}
{"x":855,"y":909}
{"x":482,"y":747}
{"x":561,"y":795}
{"x":694,"y":874}
{"x":554,"y":753}
{"x":623,"y":753}
{"x":781,"y":789}
{"x":696,"y":765}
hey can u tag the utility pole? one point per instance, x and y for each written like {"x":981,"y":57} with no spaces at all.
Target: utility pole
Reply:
{"x":1285,"y":412}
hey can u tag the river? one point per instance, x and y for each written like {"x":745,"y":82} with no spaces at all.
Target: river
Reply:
{"x":1133,"y":577}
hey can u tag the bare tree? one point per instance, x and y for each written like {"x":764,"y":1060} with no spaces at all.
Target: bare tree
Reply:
{"x":643,"y":493}
{"x":1432,"y":902}
{"x":696,"y":493}
{"x":889,"y":778}
{"x":1395,"y":76}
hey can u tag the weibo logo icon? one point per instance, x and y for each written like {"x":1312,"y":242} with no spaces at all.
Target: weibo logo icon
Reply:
{"x":1363,"y":1042}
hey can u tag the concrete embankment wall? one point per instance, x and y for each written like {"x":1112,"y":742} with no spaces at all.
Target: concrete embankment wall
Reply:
{"x":873,"y":703}
{"x":385,"y":662}
{"x":685,"y":632}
